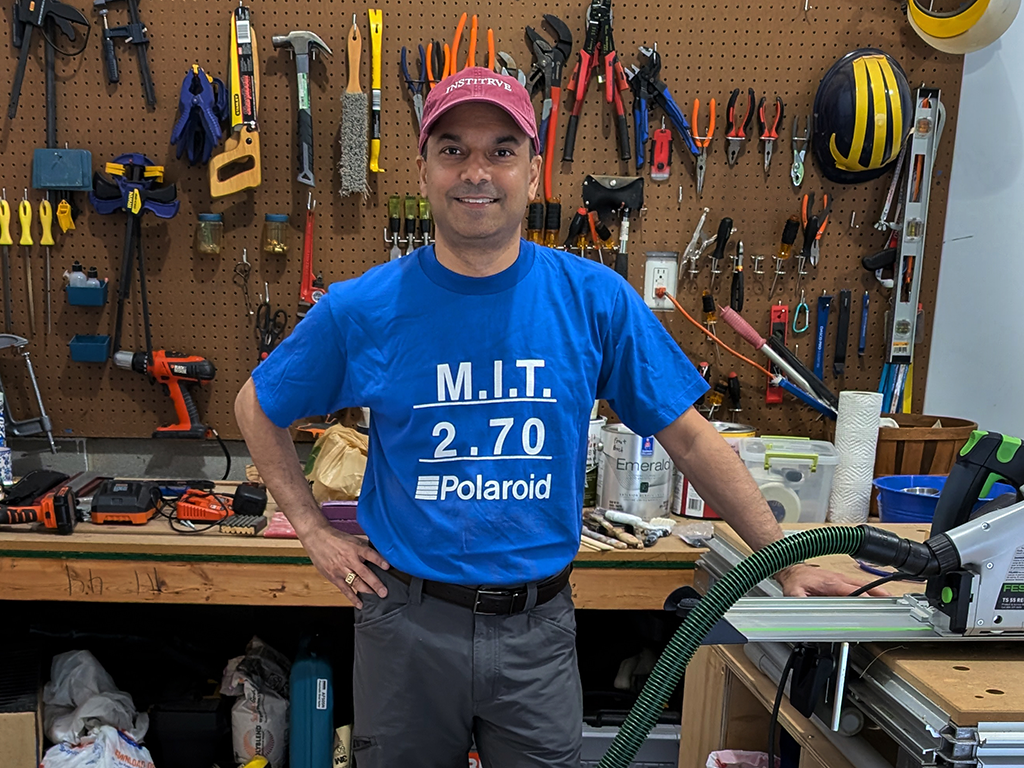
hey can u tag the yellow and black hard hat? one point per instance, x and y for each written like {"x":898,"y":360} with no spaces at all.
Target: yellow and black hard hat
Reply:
{"x":863,"y":113}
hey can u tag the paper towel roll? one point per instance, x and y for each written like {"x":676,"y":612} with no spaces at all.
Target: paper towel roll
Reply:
{"x":856,"y":440}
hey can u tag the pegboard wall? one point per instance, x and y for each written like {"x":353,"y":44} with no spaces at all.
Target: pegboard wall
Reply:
{"x":707,"y":48}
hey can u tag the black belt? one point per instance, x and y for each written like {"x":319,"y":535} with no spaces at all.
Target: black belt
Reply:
{"x":491,"y":601}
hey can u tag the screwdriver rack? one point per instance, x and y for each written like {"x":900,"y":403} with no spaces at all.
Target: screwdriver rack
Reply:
{"x":708,"y":50}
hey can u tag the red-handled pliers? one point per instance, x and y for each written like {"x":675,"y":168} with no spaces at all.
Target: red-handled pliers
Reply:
{"x":769,"y":131}
{"x":702,"y":142}
{"x":736,"y":132}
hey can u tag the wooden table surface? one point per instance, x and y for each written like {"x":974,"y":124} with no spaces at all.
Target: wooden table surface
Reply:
{"x":153,"y":563}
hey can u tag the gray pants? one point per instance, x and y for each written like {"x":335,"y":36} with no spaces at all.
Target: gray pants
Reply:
{"x":431,"y":676}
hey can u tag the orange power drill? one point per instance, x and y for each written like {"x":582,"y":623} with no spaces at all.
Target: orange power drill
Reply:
{"x":171,"y":370}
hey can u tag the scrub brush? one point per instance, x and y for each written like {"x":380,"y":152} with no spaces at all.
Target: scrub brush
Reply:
{"x":355,"y":108}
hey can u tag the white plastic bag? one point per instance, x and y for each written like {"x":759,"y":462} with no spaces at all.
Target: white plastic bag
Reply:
{"x":735,"y":758}
{"x":81,"y":696}
{"x":259,"y":719}
{"x":105,"y":747}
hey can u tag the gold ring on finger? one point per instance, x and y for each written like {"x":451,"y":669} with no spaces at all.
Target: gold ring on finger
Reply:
{"x":350,"y":578}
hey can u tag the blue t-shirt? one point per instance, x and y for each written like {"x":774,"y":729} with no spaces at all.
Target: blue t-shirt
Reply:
{"x":480,"y":391}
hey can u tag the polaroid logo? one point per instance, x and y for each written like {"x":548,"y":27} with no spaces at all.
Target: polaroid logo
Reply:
{"x":488,"y":81}
{"x":441,"y":488}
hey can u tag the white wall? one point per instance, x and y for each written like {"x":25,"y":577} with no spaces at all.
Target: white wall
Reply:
{"x":976,"y":369}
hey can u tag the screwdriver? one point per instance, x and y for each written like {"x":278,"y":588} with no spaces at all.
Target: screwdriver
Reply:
{"x":721,"y":240}
{"x":426,"y":221}
{"x":395,"y":225}
{"x":46,"y":220}
{"x":6,"y":242}
{"x":734,"y":395}
{"x":710,"y":319}
{"x":552,"y":222}
{"x":789,"y":233}
{"x":25,"y":215}
{"x":717,"y":397}
{"x":736,"y":291}
{"x":535,"y":222}
{"x":704,"y":368}
{"x":411,"y":211}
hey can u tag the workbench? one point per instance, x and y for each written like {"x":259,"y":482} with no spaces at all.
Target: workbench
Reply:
{"x":153,"y":564}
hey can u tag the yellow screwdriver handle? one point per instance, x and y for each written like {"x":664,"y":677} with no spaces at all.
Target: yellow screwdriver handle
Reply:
{"x":46,"y":219}
{"x":5,"y":223}
{"x":25,"y":215}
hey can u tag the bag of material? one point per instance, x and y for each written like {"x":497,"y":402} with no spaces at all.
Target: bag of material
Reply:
{"x":81,"y":697}
{"x":105,"y":747}
{"x":734,"y":758}
{"x":259,"y":719}
{"x":340,"y":464}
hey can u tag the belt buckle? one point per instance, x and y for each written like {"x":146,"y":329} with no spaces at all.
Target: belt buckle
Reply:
{"x":509,"y":593}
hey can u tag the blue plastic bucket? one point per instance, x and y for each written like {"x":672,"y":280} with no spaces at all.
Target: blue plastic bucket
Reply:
{"x":897,"y":504}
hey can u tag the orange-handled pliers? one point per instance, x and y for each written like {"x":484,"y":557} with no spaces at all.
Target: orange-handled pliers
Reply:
{"x":471,"y":56}
{"x":702,"y":142}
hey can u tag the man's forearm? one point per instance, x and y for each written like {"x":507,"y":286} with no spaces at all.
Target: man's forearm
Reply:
{"x":273,"y":453}
{"x":722,"y":480}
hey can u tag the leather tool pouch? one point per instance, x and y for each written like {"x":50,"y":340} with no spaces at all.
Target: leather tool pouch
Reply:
{"x":608,"y":194}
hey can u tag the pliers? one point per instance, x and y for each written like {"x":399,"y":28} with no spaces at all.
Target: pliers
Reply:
{"x":509,"y":67}
{"x":796,"y":173}
{"x":437,"y":62}
{"x":702,"y":143}
{"x":414,"y":85}
{"x":647,"y":85}
{"x":471,"y":56}
{"x":814,"y":226}
{"x":598,"y":46}
{"x":549,"y":61}
{"x":736,"y":132}
{"x":769,"y":131}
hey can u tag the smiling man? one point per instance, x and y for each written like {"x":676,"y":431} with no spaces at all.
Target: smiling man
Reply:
{"x":480,"y":358}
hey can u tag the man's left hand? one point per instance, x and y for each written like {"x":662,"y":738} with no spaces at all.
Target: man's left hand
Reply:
{"x":808,"y":580}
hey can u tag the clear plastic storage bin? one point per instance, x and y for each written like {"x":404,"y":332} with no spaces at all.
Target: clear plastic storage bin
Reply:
{"x":794,"y":474}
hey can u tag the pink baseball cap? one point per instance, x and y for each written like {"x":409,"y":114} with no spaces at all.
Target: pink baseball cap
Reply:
{"x":479,"y":84}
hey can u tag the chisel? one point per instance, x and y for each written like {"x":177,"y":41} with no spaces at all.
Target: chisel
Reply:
{"x":824,"y":302}
{"x":6,"y":242}
{"x":842,"y":333}
{"x":863,"y":341}
{"x":395,"y":225}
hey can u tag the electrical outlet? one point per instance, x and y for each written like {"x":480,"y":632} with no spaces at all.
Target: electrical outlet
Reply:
{"x":660,"y":271}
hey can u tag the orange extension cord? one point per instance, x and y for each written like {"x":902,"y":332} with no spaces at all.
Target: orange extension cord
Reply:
{"x":662,"y":293}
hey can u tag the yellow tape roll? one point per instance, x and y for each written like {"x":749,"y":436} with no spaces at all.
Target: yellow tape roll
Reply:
{"x":980,"y":24}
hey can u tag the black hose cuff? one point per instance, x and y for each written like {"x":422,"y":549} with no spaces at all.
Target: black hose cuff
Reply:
{"x":909,"y":557}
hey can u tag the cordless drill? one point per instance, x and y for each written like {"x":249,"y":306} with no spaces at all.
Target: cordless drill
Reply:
{"x":171,"y":370}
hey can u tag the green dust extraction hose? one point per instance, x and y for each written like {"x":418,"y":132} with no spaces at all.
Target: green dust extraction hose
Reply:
{"x":837,"y":540}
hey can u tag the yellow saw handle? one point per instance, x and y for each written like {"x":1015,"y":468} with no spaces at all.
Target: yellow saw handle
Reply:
{"x":376,"y":38}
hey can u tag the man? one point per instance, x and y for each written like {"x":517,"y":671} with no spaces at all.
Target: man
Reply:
{"x":480,"y":358}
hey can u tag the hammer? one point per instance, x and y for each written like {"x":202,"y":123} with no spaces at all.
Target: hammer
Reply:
{"x":302,"y":44}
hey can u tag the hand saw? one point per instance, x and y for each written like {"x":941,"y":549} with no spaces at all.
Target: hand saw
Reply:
{"x":238,"y":167}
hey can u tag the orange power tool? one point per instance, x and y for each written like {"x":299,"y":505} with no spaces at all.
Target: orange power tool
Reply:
{"x":172,"y":370}
{"x":42,"y":496}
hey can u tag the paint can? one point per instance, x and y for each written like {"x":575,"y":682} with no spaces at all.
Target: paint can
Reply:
{"x":685,"y":500}
{"x":634,"y":473}
{"x":593,"y":454}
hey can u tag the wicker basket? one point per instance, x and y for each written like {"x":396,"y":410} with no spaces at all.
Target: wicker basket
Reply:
{"x":918,"y":448}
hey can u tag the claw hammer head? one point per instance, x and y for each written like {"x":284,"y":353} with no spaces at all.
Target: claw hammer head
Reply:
{"x":302,"y":42}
